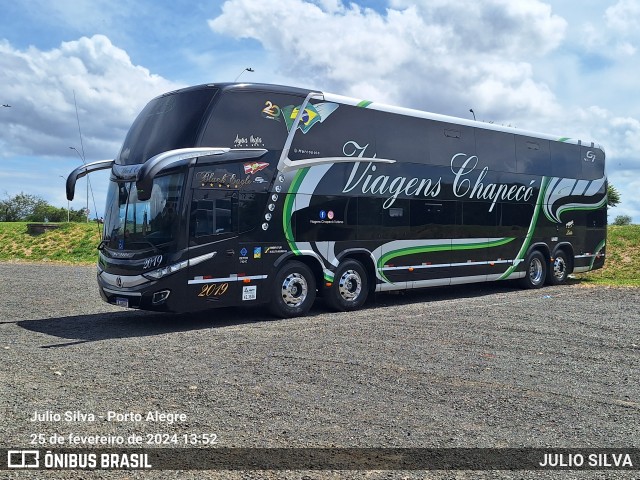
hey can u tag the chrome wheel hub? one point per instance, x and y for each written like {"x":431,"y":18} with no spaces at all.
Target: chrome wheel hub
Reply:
{"x":294,"y":290}
{"x":535,"y":271}
{"x":350,"y":285}
{"x":559,"y":268}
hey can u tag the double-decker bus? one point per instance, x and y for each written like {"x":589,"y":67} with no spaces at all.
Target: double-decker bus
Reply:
{"x":246,"y":194}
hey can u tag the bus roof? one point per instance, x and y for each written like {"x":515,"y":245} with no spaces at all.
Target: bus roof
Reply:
{"x":410,"y":112}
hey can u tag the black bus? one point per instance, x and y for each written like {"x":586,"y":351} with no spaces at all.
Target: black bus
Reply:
{"x":244,"y":194}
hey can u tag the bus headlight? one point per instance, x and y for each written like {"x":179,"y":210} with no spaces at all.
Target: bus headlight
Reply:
{"x":169,"y":269}
{"x":164,"y":271}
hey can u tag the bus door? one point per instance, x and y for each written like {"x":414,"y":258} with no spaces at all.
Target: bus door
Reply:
{"x":213,"y":229}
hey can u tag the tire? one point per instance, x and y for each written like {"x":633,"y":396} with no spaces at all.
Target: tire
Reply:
{"x":535,"y":271}
{"x":350,"y":287}
{"x":559,"y":270}
{"x":293,"y":291}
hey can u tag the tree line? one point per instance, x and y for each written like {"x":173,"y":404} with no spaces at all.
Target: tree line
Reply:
{"x":31,"y":208}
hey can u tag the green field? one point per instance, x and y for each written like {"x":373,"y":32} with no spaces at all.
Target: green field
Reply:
{"x":76,"y":243}
{"x":71,"y":243}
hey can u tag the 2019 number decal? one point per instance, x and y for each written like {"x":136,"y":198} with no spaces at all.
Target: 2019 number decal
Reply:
{"x":214,"y":290}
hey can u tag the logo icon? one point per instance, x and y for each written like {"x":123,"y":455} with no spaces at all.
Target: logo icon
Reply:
{"x":23,"y":458}
{"x":323,"y":215}
{"x":590,"y":157}
{"x":257,"y":252}
{"x":244,"y":252}
{"x":330,"y":214}
{"x":119,"y":282}
{"x":251,"y":168}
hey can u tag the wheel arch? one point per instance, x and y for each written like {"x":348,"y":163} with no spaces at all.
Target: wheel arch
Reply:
{"x":543,"y":248}
{"x":310,"y":259}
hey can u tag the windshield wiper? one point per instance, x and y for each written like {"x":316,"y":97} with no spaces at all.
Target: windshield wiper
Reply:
{"x":153,"y":246}
{"x":155,"y":249}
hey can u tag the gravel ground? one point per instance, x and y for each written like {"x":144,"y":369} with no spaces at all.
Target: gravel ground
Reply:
{"x":476,"y":366}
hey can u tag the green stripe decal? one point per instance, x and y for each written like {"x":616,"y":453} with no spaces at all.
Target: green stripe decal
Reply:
{"x":288,"y":209}
{"x":564,"y":139}
{"x":364,"y":104}
{"x":595,"y":254}
{"x":570,"y":208}
{"x":527,"y":240}
{"x":384,"y":259}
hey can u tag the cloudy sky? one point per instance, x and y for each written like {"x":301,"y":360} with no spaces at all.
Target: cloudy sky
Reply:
{"x":565,"y":67}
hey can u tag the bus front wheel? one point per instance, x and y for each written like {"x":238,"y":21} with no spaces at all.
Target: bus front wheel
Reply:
{"x":535,"y":270}
{"x":350,"y":287}
{"x":294,"y":291}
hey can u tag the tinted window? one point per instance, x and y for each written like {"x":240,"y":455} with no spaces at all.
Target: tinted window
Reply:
{"x":166,"y":123}
{"x":514,"y":219}
{"x":532,"y":156}
{"x":401,"y":138}
{"x":496,"y":150}
{"x":432,"y":219}
{"x":249,"y":120}
{"x":446,"y":140}
{"x":565,"y":160}
{"x":377,"y":222}
{"x":213,"y":213}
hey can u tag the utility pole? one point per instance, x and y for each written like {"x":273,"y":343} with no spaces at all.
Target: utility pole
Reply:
{"x":248,"y":69}
{"x":84,"y":163}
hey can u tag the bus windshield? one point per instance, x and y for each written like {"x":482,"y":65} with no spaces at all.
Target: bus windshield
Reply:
{"x":132,"y":224}
{"x":166,"y":123}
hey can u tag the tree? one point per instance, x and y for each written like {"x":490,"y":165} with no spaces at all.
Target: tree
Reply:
{"x":613,"y":196}
{"x":31,"y":208}
{"x":19,"y":207}
{"x":622,"y":220}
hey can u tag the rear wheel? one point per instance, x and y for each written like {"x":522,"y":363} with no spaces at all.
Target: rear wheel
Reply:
{"x":350,"y":287}
{"x":536,"y":270}
{"x":559,"y":270}
{"x":293,"y":291}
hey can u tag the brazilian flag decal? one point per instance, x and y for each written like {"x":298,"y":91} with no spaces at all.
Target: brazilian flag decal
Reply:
{"x":311,"y":115}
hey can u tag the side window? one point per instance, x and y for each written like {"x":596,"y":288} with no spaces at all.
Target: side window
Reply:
{"x":432,"y":219}
{"x":213,"y":213}
{"x":249,"y":120}
{"x":376,"y":222}
{"x":514,"y":219}
{"x":496,"y":150}
{"x":533,"y":156}
{"x":447,"y":140}
{"x":565,"y":160}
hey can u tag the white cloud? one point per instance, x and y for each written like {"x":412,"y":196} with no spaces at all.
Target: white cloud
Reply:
{"x":40,"y":86}
{"x":624,"y":17}
{"x":446,"y":57}
{"x":435,"y":55}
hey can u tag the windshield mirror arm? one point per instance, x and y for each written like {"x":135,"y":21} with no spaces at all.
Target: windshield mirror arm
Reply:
{"x":83,"y":170}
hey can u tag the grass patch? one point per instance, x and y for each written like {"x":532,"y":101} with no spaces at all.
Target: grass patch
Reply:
{"x":70,"y":243}
{"x":622,"y":264}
